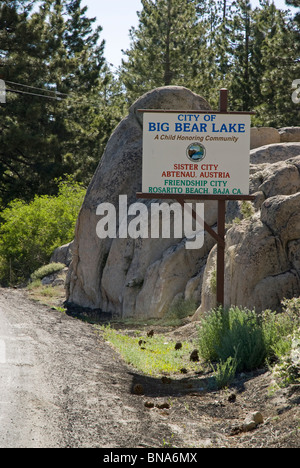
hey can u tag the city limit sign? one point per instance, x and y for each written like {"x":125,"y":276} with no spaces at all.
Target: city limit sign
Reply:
{"x":196,"y":153}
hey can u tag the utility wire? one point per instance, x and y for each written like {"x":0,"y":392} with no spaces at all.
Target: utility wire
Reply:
{"x":33,"y":94}
{"x":39,"y":89}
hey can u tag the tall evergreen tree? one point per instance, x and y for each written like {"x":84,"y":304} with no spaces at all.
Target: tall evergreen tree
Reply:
{"x":56,"y":50}
{"x":280,"y":67}
{"x":164,"y":49}
{"x":296,"y":4}
{"x":242,"y":41}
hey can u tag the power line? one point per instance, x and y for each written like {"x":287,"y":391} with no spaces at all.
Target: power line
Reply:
{"x":34,"y":87}
{"x":33,"y":94}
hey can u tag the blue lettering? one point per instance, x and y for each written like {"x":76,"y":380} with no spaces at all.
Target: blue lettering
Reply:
{"x":223,"y":128}
{"x":152,"y":127}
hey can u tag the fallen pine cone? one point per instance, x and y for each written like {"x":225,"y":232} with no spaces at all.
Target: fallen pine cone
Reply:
{"x":166,"y":380}
{"x":138,"y":389}
{"x":163,"y":406}
{"x":194,"y":356}
{"x":149,"y":404}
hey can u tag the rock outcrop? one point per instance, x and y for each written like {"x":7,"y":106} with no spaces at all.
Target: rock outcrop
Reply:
{"x":141,"y":278}
{"x":263,"y":251}
{"x":261,"y":136}
{"x":131,"y":278}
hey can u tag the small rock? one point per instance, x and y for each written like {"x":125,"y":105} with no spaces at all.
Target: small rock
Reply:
{"x":258,"y":418}
{"x":248,"y":425}
{"x":252,"y":421}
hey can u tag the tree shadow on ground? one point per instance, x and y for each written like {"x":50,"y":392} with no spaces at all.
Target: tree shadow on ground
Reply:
{"x":196,"y":384}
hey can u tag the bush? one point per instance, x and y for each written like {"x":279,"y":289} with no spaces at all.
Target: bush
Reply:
{"x":242,"y":334}
{"x":46,"y":270}
{"x":224,"y":372}
{"x":179,"y":311}
{"x":29,"y":233}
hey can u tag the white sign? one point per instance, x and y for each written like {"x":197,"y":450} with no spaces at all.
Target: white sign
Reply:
{"x":193,"y":153}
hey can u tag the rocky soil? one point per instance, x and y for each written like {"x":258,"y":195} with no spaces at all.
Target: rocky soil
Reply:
{"x":62,"y":385}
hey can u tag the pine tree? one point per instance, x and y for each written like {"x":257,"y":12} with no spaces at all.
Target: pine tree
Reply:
{"x":280,"y":66}
{"x":296,"y":4}
{"x":56,"y":50}
{"x":164,"y":47}
{"x":242,"y":42}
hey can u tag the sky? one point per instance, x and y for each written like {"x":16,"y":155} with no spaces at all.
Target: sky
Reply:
{"x":116,"y":18}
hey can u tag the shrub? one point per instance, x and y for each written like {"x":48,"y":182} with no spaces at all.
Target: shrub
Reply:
{"x":210,"y":334}
{"x":224,"y":372}
{"x":46,"y":271}
{"x":243,"y":334}
{"x":30,"y":232}
{"x":178,"y":311}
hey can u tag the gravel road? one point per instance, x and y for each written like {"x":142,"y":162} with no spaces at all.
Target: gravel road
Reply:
{"x":62,"y":386}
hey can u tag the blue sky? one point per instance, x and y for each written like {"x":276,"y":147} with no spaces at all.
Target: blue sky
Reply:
{"x":116,"y":18}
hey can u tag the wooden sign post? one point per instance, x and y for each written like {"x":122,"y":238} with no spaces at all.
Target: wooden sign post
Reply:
{"x":221,"y":139}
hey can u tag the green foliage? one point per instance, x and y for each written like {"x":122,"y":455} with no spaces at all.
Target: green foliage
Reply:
{"x":55,"y":48}
{"x":165,"y":48}
{"x":178,"y":312}
{"x":224,"y":372}
{"x":29,"y":233}
{"x":247,"y":209}
{"x":213,"y":282}
{"x":248,"y":337}
{"x":286,"y":348}
{"x":157,"y":355}
{"x":287,"y":368}
{"x":209,"y":45}
{"x":46,"y":270}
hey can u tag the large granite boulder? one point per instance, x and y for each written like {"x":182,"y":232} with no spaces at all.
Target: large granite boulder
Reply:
{"x":289,"y":134}
{"x":131,"y":278}
{"x":141,"y":277}
{"x":262,"y":258}
{"x":261,"y":136}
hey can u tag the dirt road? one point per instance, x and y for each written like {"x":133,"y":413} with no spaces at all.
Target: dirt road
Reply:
{"x":61,"y":385}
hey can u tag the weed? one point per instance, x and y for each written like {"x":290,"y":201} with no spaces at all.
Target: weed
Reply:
{"x":224,"y":372}
{"x":47,"y":270}
{"x":244,"y":334}
{"x":178,"y":312}
{"x":157,"y":356}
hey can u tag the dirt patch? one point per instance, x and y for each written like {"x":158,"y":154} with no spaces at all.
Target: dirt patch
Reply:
{"x":90,"y":398}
